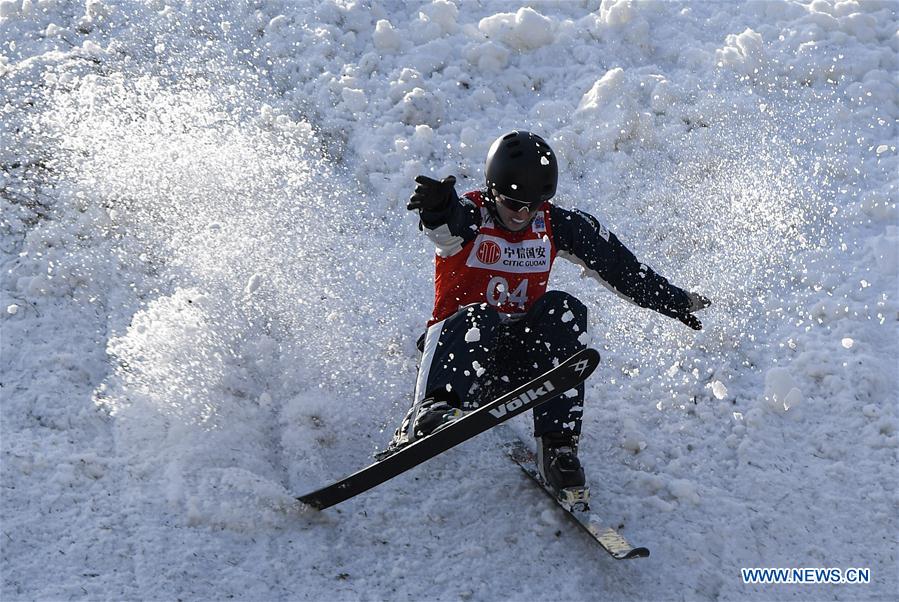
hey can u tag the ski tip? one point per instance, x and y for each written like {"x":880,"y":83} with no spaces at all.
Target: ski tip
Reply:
{"x":636,"y":553}
{"x":584,"y":362}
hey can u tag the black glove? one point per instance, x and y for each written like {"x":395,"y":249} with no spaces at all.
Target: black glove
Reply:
{"x":697,"y":302}
{"x":431,"y":195}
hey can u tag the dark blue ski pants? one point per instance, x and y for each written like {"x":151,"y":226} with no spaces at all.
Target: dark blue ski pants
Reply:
{"x":476,"y":355}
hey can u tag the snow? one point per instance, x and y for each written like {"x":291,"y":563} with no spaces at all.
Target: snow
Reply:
{"x":719,"y":390}
{"x":213,"y":292}
{"x":780,"y":389}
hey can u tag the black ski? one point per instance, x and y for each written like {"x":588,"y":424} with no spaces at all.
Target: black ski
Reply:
{"x":560,"y":379}
{"x":608,"y":538}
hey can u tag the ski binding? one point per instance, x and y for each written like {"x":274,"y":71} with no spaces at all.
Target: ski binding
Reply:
{"x":573,"y":497}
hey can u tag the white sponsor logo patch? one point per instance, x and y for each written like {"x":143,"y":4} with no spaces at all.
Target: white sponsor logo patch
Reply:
{"x":539,"y":223}
{"x":497,"y":254}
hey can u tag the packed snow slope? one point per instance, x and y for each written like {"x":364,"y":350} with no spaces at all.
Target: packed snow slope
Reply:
{"x":211,"y":291}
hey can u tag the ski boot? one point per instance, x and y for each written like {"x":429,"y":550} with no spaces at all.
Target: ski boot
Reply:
{"x":433,"y":415}
{"x":560,"y":469}
{"x":428,"y":417}
{"x":400,"y":438}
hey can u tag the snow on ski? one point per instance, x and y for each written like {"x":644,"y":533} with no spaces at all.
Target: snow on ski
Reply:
{"x":567,"y":375}
{"x":607,"y":537}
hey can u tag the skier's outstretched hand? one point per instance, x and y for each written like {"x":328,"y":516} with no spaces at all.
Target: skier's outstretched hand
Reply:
{"x":431,"y":195}
{"x":697,"y":302}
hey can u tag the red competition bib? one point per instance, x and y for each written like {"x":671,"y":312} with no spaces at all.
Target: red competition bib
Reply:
{"x":508,"y":270}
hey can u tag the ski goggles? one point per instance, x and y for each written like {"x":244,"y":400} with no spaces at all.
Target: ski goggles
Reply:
{"x":516,"y":205}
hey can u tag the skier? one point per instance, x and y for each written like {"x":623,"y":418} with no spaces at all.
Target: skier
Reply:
{"x":494,"y":324}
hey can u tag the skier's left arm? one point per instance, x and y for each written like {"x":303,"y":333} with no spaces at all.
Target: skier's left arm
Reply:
{"x":580,"y":238}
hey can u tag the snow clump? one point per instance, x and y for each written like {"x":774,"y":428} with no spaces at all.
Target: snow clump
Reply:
{"x":781,"y":391}
{"x":523,"y":30}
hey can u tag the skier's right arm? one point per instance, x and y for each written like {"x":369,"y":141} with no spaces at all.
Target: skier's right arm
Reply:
{"x":448,"y":221}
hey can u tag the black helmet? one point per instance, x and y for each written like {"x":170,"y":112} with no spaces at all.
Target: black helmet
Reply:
{"x":521,"y":165}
